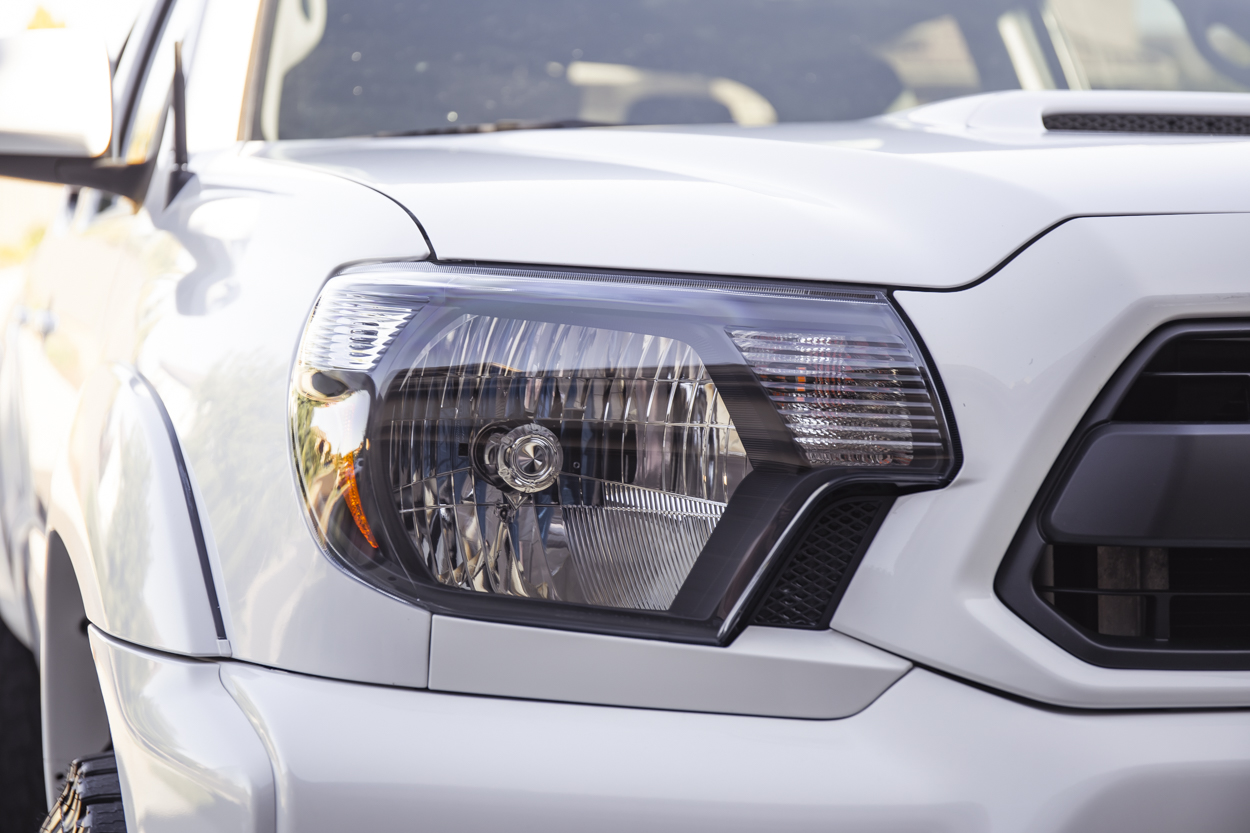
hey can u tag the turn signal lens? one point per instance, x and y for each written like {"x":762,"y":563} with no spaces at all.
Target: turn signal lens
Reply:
{"x":858,"y":399}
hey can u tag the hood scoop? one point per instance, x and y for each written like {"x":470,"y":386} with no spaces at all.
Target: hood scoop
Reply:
{"x":1038,"y":113}
{"x":1173,"y":123}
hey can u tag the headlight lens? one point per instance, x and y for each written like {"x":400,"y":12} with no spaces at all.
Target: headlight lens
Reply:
{"x":558,"y":461}
{"x":466,"y":433}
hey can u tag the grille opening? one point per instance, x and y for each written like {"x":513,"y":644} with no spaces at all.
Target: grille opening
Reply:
{"x":1182,"y":123}
{"x":1176,"y":597}
{"x":1192,"y":380}
{"x":820,"y":564}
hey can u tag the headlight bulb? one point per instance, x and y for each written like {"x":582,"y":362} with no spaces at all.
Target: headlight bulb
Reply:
{"x":527,"y":458}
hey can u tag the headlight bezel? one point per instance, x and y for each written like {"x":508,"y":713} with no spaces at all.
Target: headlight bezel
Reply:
{"x":757,"y":524}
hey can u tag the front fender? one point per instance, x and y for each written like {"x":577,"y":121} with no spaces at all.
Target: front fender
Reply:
{"x":122,"y":503}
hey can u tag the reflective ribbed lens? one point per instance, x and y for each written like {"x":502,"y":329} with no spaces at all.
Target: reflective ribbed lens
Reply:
{"x":352,"y":325}
{"x":848,"y":399}
{"x":648,"y":456}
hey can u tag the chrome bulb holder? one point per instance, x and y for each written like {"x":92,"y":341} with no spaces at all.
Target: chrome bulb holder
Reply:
{"x":527,"y":458}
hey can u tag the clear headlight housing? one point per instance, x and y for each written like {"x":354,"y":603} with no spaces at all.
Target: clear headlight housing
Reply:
{"x":608,"y":452}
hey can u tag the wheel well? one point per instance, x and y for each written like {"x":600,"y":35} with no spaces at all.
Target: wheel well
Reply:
{"x":74,"y":720}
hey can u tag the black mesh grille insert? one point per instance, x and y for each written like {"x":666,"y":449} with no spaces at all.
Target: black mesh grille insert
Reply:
{"x":820,"y":564}
{"x":1192,"y":380}
{"x":1149,"y":123}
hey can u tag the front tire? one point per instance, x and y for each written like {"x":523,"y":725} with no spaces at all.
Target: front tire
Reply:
{"x":91,"y":800}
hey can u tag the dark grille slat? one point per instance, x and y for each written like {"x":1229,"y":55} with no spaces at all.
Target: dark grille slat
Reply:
{"x":1192,"y":380}
{"x":1173,"y":123}
{"x":819,"y":564}
{"x":1196,"y":596}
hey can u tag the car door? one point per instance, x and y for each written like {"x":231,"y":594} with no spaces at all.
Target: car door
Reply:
{"x":54,"y":335}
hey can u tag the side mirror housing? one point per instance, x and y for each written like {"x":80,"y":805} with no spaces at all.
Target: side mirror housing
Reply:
{"x":56,"y":113}
{"x":56,"y":96}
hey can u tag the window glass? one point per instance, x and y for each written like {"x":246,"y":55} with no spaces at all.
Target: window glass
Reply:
{"x":128,"y":63}
{"x":361,"y":67}
{"x":150,"y":106}
{"x":1144,"y":45}
{"x":932,"y":61}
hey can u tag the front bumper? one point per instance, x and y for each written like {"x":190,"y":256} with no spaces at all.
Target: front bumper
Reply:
{"x":210,"y":745}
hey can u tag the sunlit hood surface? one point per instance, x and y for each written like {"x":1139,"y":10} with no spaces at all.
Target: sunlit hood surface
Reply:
{"x":933,"y":198}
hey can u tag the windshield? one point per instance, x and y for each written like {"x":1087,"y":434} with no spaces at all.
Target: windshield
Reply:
{"x":366,"y":67}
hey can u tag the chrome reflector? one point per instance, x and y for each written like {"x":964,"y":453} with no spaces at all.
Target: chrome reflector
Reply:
{"x":649,"y":459}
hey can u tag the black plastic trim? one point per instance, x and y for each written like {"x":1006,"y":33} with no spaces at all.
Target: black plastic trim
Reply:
{"x":935,"y":379}
{"x":1155,"y":485}
{"x":1014,"y":581}
{"x":103,"y":173}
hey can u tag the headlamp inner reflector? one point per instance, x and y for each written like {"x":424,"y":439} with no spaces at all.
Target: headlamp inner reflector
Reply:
{"x":648,"y":457}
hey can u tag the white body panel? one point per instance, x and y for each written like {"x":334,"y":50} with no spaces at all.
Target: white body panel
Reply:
{"x":139,"y":552}
{"x":921,"y":202}
{"x":1022,"y":356}
{"x":929,"y":754}
{"x":218,"y":350}
{"x":190,"y":760}
{"x":766,"y":671}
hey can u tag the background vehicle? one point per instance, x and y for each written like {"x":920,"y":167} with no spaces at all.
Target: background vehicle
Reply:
{"x":472,"y":414}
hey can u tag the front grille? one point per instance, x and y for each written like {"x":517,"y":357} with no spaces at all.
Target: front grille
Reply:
{"x":1149,"y":123}
{"x":1175,"y":597}
{"x":819,"y":565}
{"x":1136,"y":551}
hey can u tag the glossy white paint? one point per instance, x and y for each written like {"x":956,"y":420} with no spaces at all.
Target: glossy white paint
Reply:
{"x":230,"y":270}
{"x":55,"y":94}
{"x":930,"y":754}
{"x":263,"y":233}
{"x":766,"y":671}
{"x":1022,"y":357}
{"x":138,"y":563}
{"x":189,"y":761}
{"x":206,"y":297}
{"x":927,"y":202}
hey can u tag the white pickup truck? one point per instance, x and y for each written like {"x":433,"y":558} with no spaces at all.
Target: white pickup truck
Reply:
{"x":667,"y":415}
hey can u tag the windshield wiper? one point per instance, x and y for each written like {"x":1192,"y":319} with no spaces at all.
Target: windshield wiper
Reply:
{"x":494,"y":127}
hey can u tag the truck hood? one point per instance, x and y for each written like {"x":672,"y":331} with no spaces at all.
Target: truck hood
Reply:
{"x":936,"y":197}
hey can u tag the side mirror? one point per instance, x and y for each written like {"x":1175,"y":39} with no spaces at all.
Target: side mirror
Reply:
{"x":56,"y":94}
{"x":56,"y":113}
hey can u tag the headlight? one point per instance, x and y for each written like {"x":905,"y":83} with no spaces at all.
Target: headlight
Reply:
{"x":606,"y":452}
